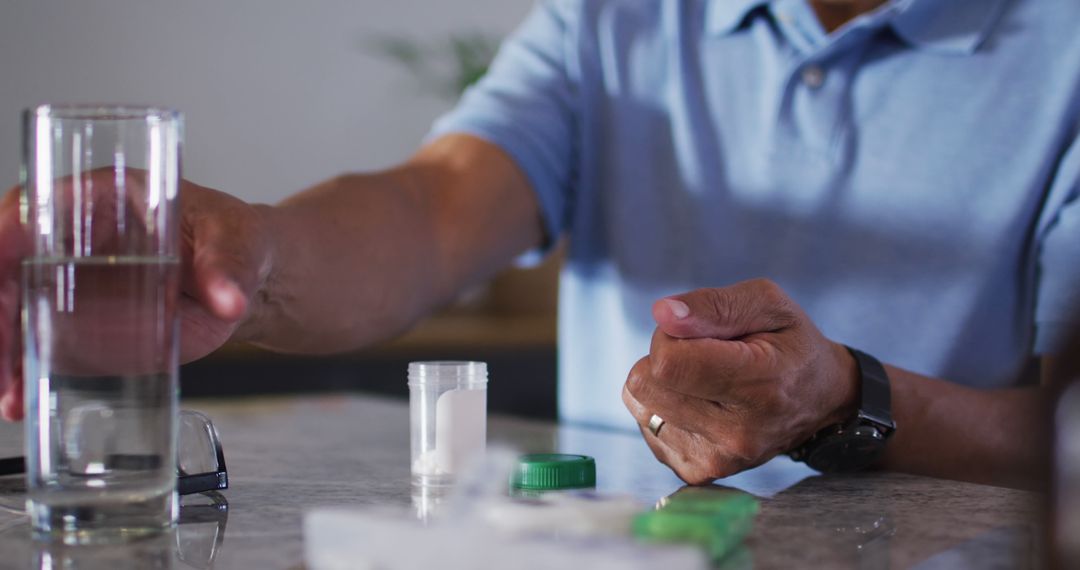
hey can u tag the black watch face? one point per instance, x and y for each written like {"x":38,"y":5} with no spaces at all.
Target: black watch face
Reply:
{"x":845,"y":452}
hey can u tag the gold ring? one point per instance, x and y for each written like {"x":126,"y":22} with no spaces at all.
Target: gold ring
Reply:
{"x":655,"y":423}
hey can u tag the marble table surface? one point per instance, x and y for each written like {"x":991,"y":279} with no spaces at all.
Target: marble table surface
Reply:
{"x":289,"y":454}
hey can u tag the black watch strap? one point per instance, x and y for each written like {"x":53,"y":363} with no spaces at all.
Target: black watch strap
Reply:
{"x":875,"y":398}
{"x":857,"y":442}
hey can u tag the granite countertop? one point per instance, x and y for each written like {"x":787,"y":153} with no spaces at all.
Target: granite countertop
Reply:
{"x":288,"y":454}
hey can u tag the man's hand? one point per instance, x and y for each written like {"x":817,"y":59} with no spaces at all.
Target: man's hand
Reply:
{"x":226,"y":253}
{"x":739,"y":375}
{"x":227,"y":247}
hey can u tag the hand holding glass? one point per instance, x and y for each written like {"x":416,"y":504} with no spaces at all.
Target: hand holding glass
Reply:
{"x":100,"y":298}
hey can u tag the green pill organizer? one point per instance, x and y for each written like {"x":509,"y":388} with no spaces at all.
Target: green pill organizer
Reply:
{"x":715,"y":519}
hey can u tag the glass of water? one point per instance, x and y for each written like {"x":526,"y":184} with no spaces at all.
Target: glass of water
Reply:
{"x":100,"y":320}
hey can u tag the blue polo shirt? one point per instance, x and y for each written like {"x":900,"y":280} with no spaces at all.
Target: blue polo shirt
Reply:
{"x":910,"y":179}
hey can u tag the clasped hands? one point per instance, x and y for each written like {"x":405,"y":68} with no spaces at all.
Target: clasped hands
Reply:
{"x":739,"y":375}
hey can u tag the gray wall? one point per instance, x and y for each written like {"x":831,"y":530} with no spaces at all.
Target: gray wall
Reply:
{"x":277,"y":94}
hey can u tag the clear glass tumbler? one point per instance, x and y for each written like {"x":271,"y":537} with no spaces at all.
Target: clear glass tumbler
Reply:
{"x":100,"y":319}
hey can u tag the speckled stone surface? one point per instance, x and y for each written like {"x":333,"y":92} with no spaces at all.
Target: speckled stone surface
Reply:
{"x":288,"y":454}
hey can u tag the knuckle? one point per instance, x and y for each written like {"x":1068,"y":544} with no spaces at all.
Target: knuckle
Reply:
{"x":658,"y":340}
{"x":782,"y":319}
{"x":696,"y":475}
{"x":720,"y":304}
{"x":695,"y":462}
{"x":634,"y":402}
{"x":627,"y":397}
{"x":665,"y":365}
{"x":638,"y":373}
{"x":767,"y":287}
{"x":721,"y":464}
{"x":743,"y":449}
{"x":762,"y":398}
{"x":726,"y":468}
{"x":784,"y":400}
{"x":676,"y":466}
{"x":682,"y":470}
{"x":780,"y":310}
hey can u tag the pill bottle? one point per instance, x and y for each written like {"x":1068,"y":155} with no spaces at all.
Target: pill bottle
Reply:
{"x":448,"y":418}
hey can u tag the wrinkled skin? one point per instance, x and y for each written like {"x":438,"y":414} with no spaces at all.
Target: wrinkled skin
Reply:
{"x":739,"y":374}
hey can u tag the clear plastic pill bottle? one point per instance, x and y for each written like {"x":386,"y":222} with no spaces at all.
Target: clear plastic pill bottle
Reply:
{"x":448,"y":418}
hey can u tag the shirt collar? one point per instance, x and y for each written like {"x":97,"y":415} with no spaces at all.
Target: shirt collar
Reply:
{"x":954,"y":26}
{"x":724,"y":16}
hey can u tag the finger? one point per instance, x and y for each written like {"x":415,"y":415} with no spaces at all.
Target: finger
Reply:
{"x":202,"y":332}
{"x":214,"y":278}
{"x":660,"y":450}
{"x":11,"y":404}
{"x":696,"y":415}
{"x":726,"y":313}
{"x":641,"y":412}
{"x":708,"y":368}
{"x":691,"y":457}
{"x":216,"y":269}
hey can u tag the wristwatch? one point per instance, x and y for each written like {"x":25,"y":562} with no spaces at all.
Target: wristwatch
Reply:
{"x":858,"y":442}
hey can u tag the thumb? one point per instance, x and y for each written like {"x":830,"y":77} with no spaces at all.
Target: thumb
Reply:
{"x":221,"y":282}
{"x":726,"y":313}
{"x":225,"y":250}
{"x":222,"y":296}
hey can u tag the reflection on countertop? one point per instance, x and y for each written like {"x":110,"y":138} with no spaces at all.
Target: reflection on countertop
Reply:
{"x":289,"y":454}
{"x":193,"y":543}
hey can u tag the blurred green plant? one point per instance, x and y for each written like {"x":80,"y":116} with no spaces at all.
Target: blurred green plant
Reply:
{"x":445,"y":67}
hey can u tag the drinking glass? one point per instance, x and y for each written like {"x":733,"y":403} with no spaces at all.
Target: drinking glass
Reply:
{"x":200,"y":464}
{"x":100,"y":319}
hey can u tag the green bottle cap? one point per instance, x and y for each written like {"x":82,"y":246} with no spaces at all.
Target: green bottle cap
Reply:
{"x":553,"y":471}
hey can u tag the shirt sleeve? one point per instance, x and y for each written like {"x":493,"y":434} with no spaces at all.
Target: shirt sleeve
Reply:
{"x":1057,"y":303}
{"x":527,"y":104}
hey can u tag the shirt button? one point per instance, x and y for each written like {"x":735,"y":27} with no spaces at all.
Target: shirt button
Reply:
{"x":813,"y":76}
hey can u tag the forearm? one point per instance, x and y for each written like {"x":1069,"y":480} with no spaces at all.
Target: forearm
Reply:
{"x":952,"y":431}
{"x":346,"y":266}
{"x":360,"y":258}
